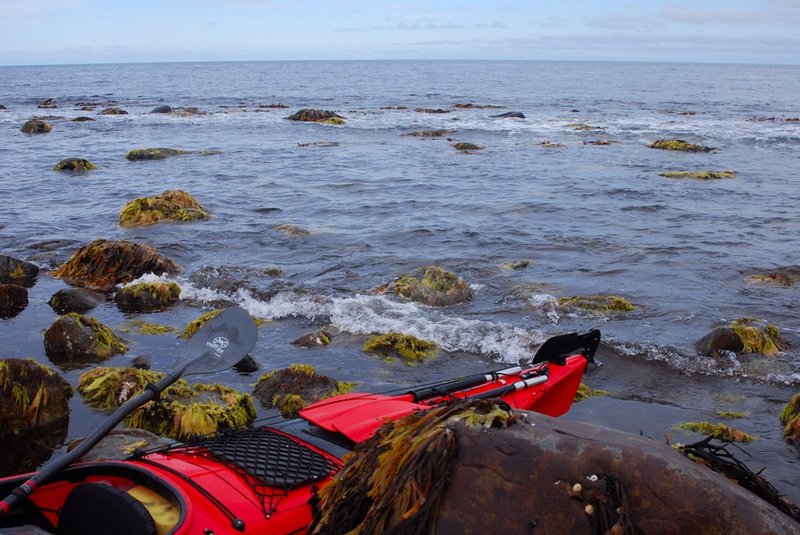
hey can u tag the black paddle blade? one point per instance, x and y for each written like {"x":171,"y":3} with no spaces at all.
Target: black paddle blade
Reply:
{"x":219,"y":344}
{"x":558,"y":347}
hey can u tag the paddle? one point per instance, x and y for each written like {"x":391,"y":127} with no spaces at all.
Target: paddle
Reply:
{"x":221,"y":343}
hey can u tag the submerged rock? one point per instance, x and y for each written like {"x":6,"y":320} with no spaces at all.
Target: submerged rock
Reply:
{"x":470,"y":105}
{"x":511,"y":114}
{"x":678,"y":144}
{"x":422,"y":473}
{"x":156,"y":153}
{"x":315,"y":339}
{"x":310,"y":115}
{"x":83,"y":119}
{"x":103,"y":264}
{"x":13,"y":300}
{"x":431,"y":133}
{"x":75,"y":300}
{"x":779,"y":277}
{"x":75,"y":165}
{"x":290,"y":389}
{"x":113,"y":111}
{"x":15,"y":271}
{"x":171,"y":205}
{"x":182,"y":412}
{"x":409,"y":347}
{"x":162,"y":109}
{"x":743,"y":336}
{"x":74,"y":340}
{"x":790,"y":418}
{"x":430,"y":285}
{"x":431,"y":110}
{"x":700,"y":175}
{"x":31,"y":396}
{"x":147,"y":296}
{"x":293,"y":231}
{"x":139,"y":326}
{"x":47,"y":103}
{"x":465,"y":146}
{"x":36,"y":126}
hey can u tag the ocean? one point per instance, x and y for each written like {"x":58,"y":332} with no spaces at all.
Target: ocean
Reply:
{"x":589,"y":218}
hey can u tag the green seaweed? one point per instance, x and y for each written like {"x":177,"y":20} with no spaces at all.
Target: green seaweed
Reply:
{"x":196,"y":324}
{"x":730,"y":415}
{"x":605,"y":304}
{"x":75,"y":165}
{"x":171,"y":205}
{"x":767,"y":341}
{"x":140,"y":326}
{"x":679,"y":145}
{"x":466,"y":147}
{"x":411,"y":348}
{"x":585,"y":392}
{"x":699,"y":175}
{"x":436,"y":287}
{"x":719,"y":431}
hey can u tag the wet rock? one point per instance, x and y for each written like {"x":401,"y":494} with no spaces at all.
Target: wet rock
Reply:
{"x":743,"y":336}
{"x":678,"y":144}
{"x":273,"y":106}
{"x":519,"y":264}
{"x":103,"y":264}
{"x":182,"y":412}
{"x":171,"y":205}
{"x":83,"y":119}
{"x":464,"y":146}
{"x":790,"y":418}
{"x":187,"y":112}
{"x":583,"y":127}
{"x":119,"y":444}
{"x":75,"y":165}
{"x":431,"y":133}
{"x":13,"y":300}
{"x":550,"y":145}
{"x":73,"y":340}
{"x":470,"y":105}
{"x":36,"y":126}
{"x":28,"y":449}
{"x":600,"y":142}
{"x":315,"y":339}
{"x":113,"y":111}
{"x":409,"y":347}
{"x":156,"y":153}
{"x":141,"y":362}
{"x":31,"y":395}
{"x":423,"y":472}
{"x":2,"y":107}
{"x":293,"y":231}
{"x":75,"y":300}
{"x":147,"y":296}
{"x":511,"y":114}
{"x":290,"y":389}
{"x":15,"y":271}
{"x":604,"y":304}
{"x":162,"y":109}
{"x":431,"y":110}
{"x":700,"y":175}
{"x":774,"y":278}
{"x":247,"y":365}
{"x":430,"y":285}
{"x":323,"y":144}
{"x":47,"y":103}
{"x":316,"y":116}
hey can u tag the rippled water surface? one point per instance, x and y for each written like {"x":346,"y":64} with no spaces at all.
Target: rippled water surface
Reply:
{"x":593,"y":219}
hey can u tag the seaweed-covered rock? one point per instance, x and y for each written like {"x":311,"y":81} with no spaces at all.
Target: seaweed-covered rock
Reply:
{"x":182,"y":412}
{"x":431,"y":110}
{"x":518,"y":264}
{"x":743,"y":336}
{"x":196,"y":324}
{"x":82,"y":119}
{"x":31,"y":395}
{"x":15,"y":271}
{"x":719,"y":431}
{"x":74,"y":340}
{"x":171,"y":205}
{"x":120,"y":444}
{"x":604,"y":304}
{"x":315,"y":339}
{"x":421,"y":474}
{"x":103,"y":264}
{"x":779,"y":277}
{"x":700,"y":175}
{"x":113,"y":111}
{"x":156,"y":153}
{"x":75,"y":165}
{"x":78,"y":300}
{"x":147,"y":296}
{"x":790,"y":418}
{"x":465,"y":146}
{"x":290,"y":389}
{"x":13,"y":300}
{"x":411,"y":348}
{"x":511,"y":115}
{"x":678,"y":144}
{"x":164,"y":108}
{"x":36,"y":126}
{"x":430,"y":285}
{"x":47,"y":103}
{"x":316,"y":116}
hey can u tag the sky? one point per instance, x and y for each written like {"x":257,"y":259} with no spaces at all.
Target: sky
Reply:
{"x":36,"y":32}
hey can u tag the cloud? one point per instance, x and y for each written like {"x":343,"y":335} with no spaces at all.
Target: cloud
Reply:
{"x":622,"y":22}
{"x":682,"y":15}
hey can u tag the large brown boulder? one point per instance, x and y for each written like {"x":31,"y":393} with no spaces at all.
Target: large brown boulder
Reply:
{"x":473,"y":469}
{"x":31,"y":395}
{"x":15,"y":271}
{"x":13,"y":300}
{"x":171,"y":205}
{"x":103,"y":264}
{"x":74,"y":340}
{"x":430,"y":285}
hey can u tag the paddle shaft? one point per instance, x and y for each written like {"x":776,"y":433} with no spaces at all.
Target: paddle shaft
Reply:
{"x":151,"y":392}
{"x":460,"y":384}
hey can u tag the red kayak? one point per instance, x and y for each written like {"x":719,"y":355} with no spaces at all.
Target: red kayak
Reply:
{"x":265,"y":479}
